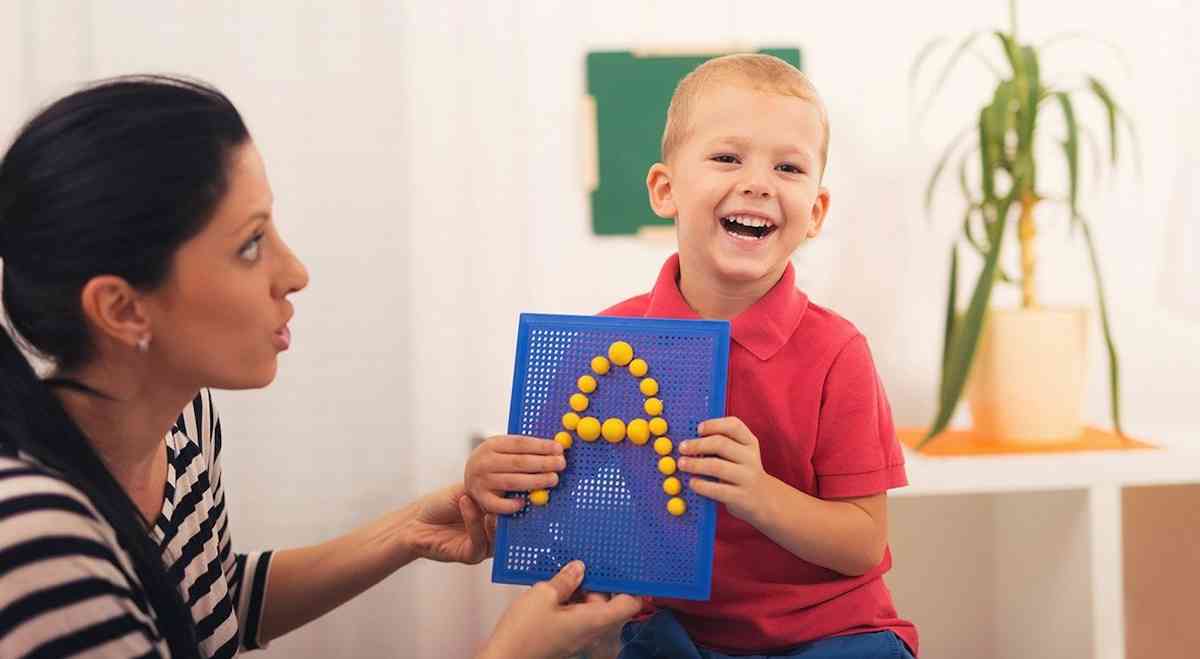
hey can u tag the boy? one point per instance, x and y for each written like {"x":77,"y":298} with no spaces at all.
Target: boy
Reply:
{"x":804,"y":460}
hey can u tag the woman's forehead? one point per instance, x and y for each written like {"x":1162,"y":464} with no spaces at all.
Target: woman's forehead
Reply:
{"x":248,"y":191}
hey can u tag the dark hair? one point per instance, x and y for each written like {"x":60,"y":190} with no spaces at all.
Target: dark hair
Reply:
{"x":109,"y":180}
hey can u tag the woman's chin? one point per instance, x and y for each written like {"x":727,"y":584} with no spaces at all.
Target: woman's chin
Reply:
{"x":256,"y":379}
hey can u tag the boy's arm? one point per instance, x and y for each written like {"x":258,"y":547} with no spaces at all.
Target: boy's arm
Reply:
{"x":845,"y":535}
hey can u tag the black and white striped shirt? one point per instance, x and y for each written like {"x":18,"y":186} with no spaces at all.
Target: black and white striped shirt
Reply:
{"x":68,"y":588}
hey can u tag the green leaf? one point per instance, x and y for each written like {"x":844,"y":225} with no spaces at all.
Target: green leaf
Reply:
{"x":979,"y":244}
{"x":963,"y":163}
{"x":1010,"y":51}
{"x":1114,"y":371}
{"x":1111,"y":112}
{"x":1093,"y":144}
{"x":1133,"y":140}
{"x":1071,"y":149}
{"x":947,"y":69}
{"x":1115,"y":113}
{"x":915,"y":71}
{"x":993,"y":120}
{"x":951,"y":307}
{"x":1001,"y":108}
{"x":989,"y":154}
{"x":983,"y":59}
{"x":941,"y":165}
{"x":966,"y":335}
{"x":1028,"y":84}
{"x":1028,"y":96}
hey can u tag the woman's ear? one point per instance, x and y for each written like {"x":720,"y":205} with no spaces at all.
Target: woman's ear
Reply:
{"x":658,"y":185}
{"x":115,"y":310}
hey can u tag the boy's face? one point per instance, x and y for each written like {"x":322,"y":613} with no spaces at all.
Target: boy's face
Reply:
{"x":743,"y":187}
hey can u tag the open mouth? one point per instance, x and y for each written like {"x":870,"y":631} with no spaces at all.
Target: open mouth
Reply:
{"x":747,"y":227}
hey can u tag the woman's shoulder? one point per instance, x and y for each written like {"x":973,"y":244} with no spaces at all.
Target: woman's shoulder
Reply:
{"x":57,"y":554}
{"x":51,"y":532}
{"x":38,"y":502}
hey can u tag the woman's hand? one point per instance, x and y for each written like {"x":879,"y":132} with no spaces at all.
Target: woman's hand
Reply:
{"x":447,"y":526}
{"x":544,"y":624}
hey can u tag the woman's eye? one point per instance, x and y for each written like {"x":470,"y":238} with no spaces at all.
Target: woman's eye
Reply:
{"x":252,"y":249}
{"x":726,"y":158}
{"x":789,"y":168}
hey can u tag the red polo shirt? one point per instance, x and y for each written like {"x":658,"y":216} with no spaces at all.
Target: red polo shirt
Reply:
{"x":802,"y":379}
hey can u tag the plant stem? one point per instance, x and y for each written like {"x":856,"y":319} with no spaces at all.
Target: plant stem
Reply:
{"x":1012,"y":18}
{"x":1026,"y":232}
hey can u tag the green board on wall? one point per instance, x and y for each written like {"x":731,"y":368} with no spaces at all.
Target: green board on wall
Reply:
{"x":631,"y":92}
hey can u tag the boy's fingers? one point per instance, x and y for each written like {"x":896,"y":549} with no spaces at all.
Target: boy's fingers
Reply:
{"x":527,"y":446}
{"x":717,"y":468}
{"x":720,"y":445}
{"x":500,"y":505}
{"x":523,"y":482}
{"x":505,"y":463}
{"x":532,"y":464}
{"x":730,"y":426}
{"x":720,"y":492}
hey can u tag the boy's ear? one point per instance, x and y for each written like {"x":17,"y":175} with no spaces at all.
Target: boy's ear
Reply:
{"x":658,"y":185}
{"x":115,"y":310}
{"x":819,"y":210}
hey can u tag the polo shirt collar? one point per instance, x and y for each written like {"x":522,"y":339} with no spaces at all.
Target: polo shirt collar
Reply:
{"x":763,"y":329}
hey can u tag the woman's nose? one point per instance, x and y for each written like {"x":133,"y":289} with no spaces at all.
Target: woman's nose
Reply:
{"x":294,"y":276}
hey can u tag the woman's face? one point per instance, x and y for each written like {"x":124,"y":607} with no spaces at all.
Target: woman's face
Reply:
{"x":220,"y":319}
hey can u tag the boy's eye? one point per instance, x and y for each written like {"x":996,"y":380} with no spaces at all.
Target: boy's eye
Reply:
{"x":727,"y":158}
{"x":253,"y":249}
{"x":789,"y":168}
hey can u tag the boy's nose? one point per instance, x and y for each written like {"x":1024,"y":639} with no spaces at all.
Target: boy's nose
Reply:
{"x":756,"y":190}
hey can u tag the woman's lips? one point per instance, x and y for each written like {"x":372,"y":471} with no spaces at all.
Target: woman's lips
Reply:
{"x":283,"y":338}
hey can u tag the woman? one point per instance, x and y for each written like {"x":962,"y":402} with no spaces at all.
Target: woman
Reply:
{"x":141,"y":259}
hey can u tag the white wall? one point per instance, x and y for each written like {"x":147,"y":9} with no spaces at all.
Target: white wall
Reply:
{"x":427,"y":165}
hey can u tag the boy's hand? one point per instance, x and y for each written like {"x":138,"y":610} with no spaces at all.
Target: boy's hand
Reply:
{"x":728,"y":451}
{"x":509,"y":463}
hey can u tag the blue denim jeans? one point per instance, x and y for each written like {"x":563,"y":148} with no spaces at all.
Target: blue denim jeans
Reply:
{"x":662,"y":637}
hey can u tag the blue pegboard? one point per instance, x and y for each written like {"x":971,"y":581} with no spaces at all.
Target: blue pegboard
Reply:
{"x":609,"y":508}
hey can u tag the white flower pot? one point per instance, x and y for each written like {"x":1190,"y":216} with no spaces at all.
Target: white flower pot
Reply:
{"x":1027,"y":380}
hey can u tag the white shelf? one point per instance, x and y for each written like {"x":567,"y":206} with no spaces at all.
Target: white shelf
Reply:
{"x":1042,"y":546}
{"x":1176,"y":462}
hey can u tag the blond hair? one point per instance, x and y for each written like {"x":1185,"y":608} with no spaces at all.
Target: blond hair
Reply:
{"x":759,"y":72}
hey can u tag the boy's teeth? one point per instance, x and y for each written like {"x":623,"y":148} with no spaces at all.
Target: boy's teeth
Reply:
{"x":747,"y":227}
{"x":748,"y":220}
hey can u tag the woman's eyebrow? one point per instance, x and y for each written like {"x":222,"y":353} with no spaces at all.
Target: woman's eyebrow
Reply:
{"x":260,"y":216}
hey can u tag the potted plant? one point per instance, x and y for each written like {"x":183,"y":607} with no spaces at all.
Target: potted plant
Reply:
{"x":1026,"y":365}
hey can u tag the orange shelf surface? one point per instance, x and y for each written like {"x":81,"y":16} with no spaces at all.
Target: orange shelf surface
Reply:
{"x":967,"y":442}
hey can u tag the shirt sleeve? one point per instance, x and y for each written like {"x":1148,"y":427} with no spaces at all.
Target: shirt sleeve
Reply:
{"x":246,"y":573}
{"x":66,"y":588}
{"x":857,"y":453}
